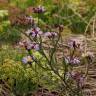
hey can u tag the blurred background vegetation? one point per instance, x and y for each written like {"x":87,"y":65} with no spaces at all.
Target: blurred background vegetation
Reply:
{"x":73,"y":14}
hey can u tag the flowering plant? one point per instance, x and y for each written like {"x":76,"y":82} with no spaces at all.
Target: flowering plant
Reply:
{"x":52,"y":49}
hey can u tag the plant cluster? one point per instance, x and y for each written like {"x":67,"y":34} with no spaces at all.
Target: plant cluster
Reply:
{"x":47,"y":44}
{"x":48,"y":61}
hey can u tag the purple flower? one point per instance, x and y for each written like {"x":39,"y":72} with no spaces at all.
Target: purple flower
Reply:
{"x":54,"y":34}
{"x":78,"y":77}
{"x":47,"y":34}
{"x":39,"y":9}
{"x":29,"y":46}
{"x":50,"y":34}
{"x":30,"y":19}
{"x":75,"y":43}
{"x":34,"y":32}
{"x":36,"y":47}
{"x":33,"y":46}
{"x":74,"y":60}
{"x":24,"y":43}
{"x":27,"y":59}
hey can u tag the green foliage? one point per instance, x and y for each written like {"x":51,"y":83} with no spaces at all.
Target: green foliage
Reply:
{"x":11,"y":69}
{"x":22,"y":79}
{"x":3,"y":13}
{"x":72,"y":13}
{"x":6,"y":51}
{"x":7,"y":33}
{"x":19,"y":79}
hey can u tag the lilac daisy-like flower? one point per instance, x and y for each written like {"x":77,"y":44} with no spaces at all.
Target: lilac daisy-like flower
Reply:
{"x":78,"y":77}
{"x":33,"y":46}
{"x":39,"y":9}
{"x":37,"y":31}
{"x":34,"y":32}
{"x":30,"y":19}
{"x":36,"y":47}
{"x":75,"y":43}
{"x":74,"y":60}
{"x":27,"y":59}
{"x":54,"y":34}
{"x":50,"y":34}
{"x":29,"y":46}
{"x":47,"y":34}
{"x":24,"y":43}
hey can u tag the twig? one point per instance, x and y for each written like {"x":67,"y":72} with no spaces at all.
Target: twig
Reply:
{"x":93,"y":33}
